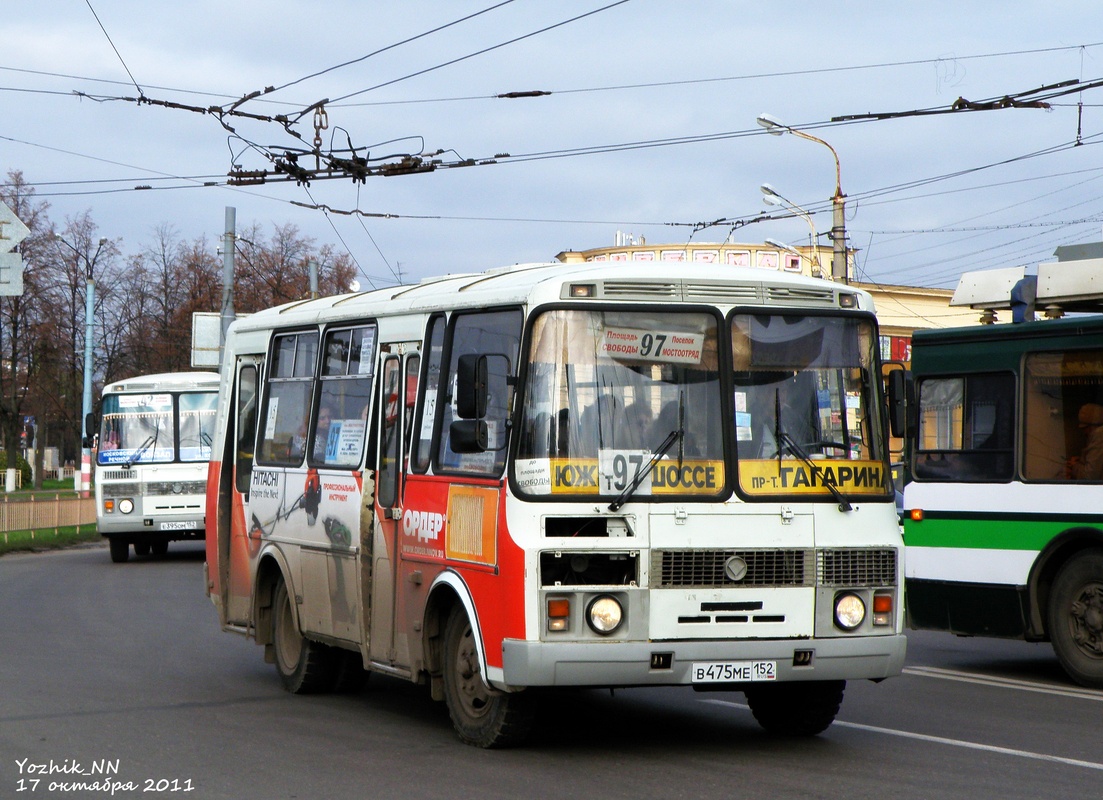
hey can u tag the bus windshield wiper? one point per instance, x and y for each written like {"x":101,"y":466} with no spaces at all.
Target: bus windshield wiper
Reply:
{"x":152,"y":440}
{"x":783,"y":439}
{"x":676,"y":435}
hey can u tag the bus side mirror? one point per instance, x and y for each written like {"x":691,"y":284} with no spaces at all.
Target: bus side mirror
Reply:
{"x":469,"y":436}
{"x":90,"y":426}
{"x":472,"y":387}
{"x":898,"y":385}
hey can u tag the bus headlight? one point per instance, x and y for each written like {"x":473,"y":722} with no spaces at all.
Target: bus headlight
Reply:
{"x":126,"y":506}
{"x":604,"y":615}
{"x":850,"y":611}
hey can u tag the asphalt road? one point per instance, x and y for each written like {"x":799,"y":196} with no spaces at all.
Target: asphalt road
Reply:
{"x":123,"y":667}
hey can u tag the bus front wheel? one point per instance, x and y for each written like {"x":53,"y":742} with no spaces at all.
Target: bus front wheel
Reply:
{"x":481,"y":716}
{"x":796,"y":709}
{"x":304,"y":666}
{"x":120,"y":549}
{"x":1076,"y":618}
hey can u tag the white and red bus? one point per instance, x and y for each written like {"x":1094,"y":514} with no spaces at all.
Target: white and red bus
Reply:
{"x":556,"y":475}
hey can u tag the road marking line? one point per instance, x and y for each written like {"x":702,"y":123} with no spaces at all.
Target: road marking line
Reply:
{"x":990,"y":748}
{"x":1004,"y":683}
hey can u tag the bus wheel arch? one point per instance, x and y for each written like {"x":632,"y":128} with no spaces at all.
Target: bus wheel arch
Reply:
{"x":447,"y":592}
{"x":304,"y":666}
{"x":1062,"y":549}
{"x":1075,"y":617}
{"x":481,"y":714}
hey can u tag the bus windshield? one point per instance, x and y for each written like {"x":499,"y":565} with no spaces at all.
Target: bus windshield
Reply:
{"x":805,"y":417}
{"x":197,"y":417}
{"x":141,"y":428}
{"x":605,"y":391}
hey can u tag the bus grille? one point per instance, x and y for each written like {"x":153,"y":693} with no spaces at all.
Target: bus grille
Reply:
{"x":794,"y":296}
{"x":117,"y":475}
{"x":857,"y":567}
{"x":705,"y":569}
{"x":640,"y":289}
{"x":716,"y":292}
{"x":156,"y":488}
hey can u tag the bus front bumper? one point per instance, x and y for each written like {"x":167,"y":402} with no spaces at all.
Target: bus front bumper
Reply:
{"x":671,"y":663}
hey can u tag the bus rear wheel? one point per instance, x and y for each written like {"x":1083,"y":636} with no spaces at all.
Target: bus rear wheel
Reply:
{"x":1076,"y":618}
{"x":796,"y":709}
{"x":304,"y":666}
{"x":481,"y":716}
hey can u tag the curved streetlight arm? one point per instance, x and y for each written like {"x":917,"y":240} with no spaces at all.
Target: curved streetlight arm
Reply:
{"x":776,"y":127}
{"x":772,"y":198}
{"x":839,"y":267}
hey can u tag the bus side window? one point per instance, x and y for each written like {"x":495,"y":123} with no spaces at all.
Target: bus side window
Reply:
{"x":413,"y":368}
{"x":421,"y":444}
{"x":340,"y":418}
{"x":966,"y":428}
{"x":246,"y":433}
{"x":1063,"y":411}
{"x":390,"y":414}
{"x":283,"y":429}
{"x":497,"y":335}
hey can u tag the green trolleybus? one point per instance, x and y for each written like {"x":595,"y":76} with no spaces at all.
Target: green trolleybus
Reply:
{"x":1003,"y":511}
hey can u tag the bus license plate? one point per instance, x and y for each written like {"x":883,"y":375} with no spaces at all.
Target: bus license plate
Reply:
{"x":733,"y":671}
{"x":178,"y":526}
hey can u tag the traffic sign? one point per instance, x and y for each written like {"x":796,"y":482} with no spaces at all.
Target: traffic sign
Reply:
{"x":12,"y":232}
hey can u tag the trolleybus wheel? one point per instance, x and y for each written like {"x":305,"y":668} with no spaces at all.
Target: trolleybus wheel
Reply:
{"x":1076,"y":618}
{"x":120,"y":549}
{"x":481,"y":716}
{"x":304,"y":666}
{"x":141,"y":548}
{"x":796,"y":709}
{"x":159,"y":548}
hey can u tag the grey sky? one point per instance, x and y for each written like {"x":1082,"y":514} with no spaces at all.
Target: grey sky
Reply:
{"x":644,"y":71}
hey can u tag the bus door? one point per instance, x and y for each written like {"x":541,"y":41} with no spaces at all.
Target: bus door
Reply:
{"x":244,"y":537}
{"x":398,"y":371}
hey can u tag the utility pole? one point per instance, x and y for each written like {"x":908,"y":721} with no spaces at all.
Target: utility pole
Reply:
{"x":228,"y":239}
{"x":82,"y":480}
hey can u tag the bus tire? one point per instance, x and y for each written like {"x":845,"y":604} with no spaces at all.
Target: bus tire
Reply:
{"x":481,"y":716}
{"x":304,"y":666}
{"x":1075,"y":617}
{"x":141,"y":548}
{"x":120,"y":549}
{"x":159,"y":547}
{"x":796,"y":709}
{"x":349,"y":675}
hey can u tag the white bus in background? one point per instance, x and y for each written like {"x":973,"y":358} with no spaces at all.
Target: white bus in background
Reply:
{"x":151,"y":463}
{"x":563,"y":475}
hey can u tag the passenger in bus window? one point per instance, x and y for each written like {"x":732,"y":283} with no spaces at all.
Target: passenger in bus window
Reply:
{"x":1088,"y":466}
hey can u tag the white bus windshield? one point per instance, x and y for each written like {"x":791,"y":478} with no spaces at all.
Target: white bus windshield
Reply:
{"x":141,"y":428}
{"x":197,"y":417}
{"x":606,"y":389}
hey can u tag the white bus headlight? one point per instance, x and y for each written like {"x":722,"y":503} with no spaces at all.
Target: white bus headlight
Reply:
{"x":126,"y":506}
{"x":850,"y":611}
{"x":604,"y":614}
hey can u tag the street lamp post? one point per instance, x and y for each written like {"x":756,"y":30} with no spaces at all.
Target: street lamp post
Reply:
{"x":839,"y":269}
{"x":771,"y":197}
{"x":82,"y":482}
